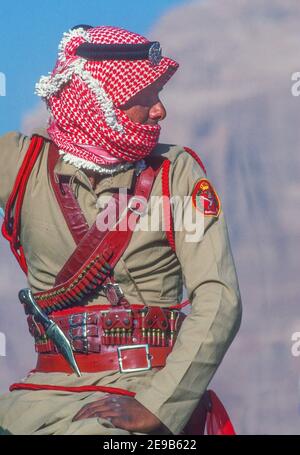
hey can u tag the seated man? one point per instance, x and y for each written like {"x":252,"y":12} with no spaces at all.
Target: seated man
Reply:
{"x":142,"y":364}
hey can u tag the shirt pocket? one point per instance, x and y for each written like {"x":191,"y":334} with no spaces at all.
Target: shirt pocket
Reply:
{"x":171,"y":288}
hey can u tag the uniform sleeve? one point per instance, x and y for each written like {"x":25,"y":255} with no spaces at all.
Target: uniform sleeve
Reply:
{"x":208,"y":330}
{"x":13,"y":147}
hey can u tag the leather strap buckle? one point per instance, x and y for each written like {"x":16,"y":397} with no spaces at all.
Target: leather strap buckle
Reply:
{"x":132,"y":357}
{"x":113,"y":292}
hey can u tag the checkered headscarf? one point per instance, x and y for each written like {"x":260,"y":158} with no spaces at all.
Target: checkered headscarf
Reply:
{"x":84,"y":97}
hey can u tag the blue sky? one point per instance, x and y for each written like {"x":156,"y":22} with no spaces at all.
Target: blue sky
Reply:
{"x":31,"y":30}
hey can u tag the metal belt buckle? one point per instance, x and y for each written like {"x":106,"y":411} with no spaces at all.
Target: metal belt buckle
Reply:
{"x":136,"y":346}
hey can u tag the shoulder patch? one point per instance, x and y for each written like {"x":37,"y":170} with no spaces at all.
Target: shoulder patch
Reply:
{"x":205,"y":198}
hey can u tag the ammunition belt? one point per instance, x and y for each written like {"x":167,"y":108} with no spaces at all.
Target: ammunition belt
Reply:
{"x":93,"y":330}
{"x":92,"y":275}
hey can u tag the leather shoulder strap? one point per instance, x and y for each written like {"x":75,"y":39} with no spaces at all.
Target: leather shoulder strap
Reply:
{"x":68,"y":204}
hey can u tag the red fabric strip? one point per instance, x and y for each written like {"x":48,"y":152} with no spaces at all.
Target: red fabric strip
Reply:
{"x":79,"y":389}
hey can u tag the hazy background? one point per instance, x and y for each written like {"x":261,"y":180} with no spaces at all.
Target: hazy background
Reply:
{"x":231,"y":101}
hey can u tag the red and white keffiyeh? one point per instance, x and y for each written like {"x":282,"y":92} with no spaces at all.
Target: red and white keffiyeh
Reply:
{"x":84,"y":97}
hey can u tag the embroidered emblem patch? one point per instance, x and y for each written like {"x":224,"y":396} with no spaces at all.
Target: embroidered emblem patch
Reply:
{"x":205,"y":198}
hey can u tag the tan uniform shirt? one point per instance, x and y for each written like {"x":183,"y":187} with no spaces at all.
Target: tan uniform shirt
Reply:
{"x":149,"y":271}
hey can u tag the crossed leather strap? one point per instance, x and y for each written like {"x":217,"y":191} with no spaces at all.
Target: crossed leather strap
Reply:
{"x":98,"y":251}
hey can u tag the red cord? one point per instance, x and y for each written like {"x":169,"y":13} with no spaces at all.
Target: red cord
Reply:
{"x":79,"y":389}
{"x":169,"y":227}
{"x":196,"y":157}
{"x":16,"y":197}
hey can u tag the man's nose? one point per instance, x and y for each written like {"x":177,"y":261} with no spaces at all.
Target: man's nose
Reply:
{"x":158,"y":111}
